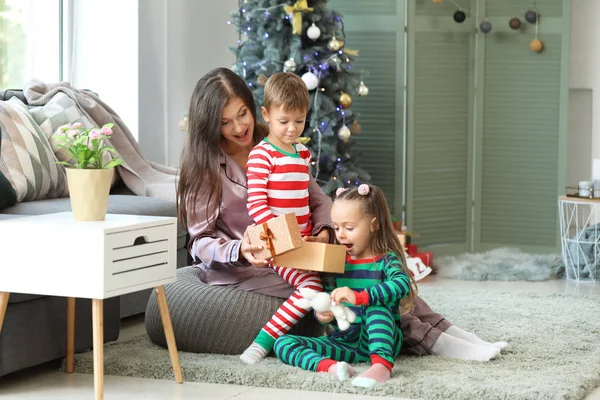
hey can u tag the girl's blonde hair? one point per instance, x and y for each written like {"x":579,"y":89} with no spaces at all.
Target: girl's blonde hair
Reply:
{"x":384,"y":238}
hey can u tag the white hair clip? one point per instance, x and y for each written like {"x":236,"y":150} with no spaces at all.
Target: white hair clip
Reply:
{"x":363,"y":189}
{"x":339,"y":191}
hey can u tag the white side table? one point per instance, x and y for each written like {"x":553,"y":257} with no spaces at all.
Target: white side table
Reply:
{"x":94,"y":260}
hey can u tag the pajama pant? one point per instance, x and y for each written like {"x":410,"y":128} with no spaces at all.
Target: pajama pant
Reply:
{"x":288,"y":314}
{"x":378,"y":335}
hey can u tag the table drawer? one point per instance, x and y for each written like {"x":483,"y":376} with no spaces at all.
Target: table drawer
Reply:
{"x":140,"y":255}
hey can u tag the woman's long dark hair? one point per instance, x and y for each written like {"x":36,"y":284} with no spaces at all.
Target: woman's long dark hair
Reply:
{"x":199,"y":177}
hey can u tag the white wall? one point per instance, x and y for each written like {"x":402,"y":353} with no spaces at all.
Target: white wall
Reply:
{"x":178,"y":43}
{"x":585,"y":74}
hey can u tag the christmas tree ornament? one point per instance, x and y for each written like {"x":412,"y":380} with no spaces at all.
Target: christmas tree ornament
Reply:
{"x":531,"y":16}
{"x":514,"y":23}
{"x":261,"y":80}
{"x":536,"y":45}
{"x":355,"y":128}
{"x":334,"y":44}
{"x":459,"y":16}
{"x":183,"y":124}
{"x":363,"y":90}
{"x":485,"y":27}
{"x":437,"y":1}
{"x":337,"y":63}
{"x":310,"y":80}
{"x":313,"y":32}
{"x":295,"y":13}
{"x":289,"y":65}
{"x":345,"y":100}
{"x":344,"y":134}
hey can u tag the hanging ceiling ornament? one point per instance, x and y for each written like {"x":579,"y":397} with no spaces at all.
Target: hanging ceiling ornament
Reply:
{"x":310,"y":80}
{"x":536,"y":45}
{"x":289,"y":65}
{"x":295,"y":13}
{"x":514,"y":23}
{"x":344,"y":134}
{"x":313,"y":32}
{"x":345,"y":100}
{"x":459,"y":16}
{"x":531,"y":16}
{"x":363,"y":90}
{"x":485,"y":27}
{"x":334,"y":44}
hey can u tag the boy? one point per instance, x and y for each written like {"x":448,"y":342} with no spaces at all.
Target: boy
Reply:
{"x":278,"y":178}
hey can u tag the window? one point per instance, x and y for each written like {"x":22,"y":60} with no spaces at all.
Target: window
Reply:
{"x":29,"y":42}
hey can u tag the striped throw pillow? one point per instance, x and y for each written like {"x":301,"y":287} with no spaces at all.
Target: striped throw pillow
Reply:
{"x":26,"y":158}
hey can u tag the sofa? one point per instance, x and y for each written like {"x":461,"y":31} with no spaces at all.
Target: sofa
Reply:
{"x":34,"y":326}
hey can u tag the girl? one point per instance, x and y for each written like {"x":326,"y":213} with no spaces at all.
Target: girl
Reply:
{"x":375,"y":283}
{"x":379,"y":288}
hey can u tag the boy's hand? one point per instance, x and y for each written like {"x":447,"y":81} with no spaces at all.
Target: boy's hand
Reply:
{"x":343,"y":295}
{"x":322,"y":237}
{"x":324,"y":317}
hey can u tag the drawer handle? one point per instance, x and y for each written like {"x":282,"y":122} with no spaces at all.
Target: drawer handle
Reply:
{"x":140,"y":240}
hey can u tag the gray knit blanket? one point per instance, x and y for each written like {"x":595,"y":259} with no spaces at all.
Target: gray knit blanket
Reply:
{"x":141,"y":176}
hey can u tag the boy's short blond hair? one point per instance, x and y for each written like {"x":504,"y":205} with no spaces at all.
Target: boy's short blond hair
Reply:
{"x":287,"y":91}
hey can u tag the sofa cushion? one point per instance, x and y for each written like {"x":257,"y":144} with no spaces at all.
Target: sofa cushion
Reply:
{"x":62,"y":110}
{"x":27,"y":159}
{"x":117,"y":204}
{"x":8,"y":196}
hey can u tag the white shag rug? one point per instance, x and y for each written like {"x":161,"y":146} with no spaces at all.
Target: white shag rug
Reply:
{"x":504,"y":264}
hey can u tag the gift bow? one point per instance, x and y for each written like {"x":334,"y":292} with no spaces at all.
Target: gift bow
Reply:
{"x":295,"y":10}
{"x":267,"y":236}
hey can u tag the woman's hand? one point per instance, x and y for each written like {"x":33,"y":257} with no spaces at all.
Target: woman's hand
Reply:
{"x":246,"y":249}
{"x":343,"y":295}
{"x":324,"y":317}
{"x":322,"y":237}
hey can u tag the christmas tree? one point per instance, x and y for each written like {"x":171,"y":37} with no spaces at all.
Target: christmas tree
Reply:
{"x":307,"y":38}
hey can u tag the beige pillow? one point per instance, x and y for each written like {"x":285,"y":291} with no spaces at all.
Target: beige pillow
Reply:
{"x":26,"y":157}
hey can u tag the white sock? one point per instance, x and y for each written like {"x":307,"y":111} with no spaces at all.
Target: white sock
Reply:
{"x":472,"y":338}
{"x":254,"y":354}
{"x":453,"y":347}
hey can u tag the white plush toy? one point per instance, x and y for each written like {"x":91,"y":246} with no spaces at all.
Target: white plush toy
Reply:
{"x":320,"y":301}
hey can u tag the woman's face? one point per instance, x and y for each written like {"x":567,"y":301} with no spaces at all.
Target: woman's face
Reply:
{"x":237,"y":123}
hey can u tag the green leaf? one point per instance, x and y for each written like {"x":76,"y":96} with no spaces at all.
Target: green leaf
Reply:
{"x":113,"y":163}
{"x":64,"y":163}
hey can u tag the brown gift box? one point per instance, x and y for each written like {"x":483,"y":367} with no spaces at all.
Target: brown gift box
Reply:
{"x":284,"y":236}
{"x":314,"y":256}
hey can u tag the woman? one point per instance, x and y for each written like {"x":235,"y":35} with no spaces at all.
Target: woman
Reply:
{"x":212,"y":195}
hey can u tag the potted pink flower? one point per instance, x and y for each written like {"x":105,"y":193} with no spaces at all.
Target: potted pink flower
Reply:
{"x":90,"y":173}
